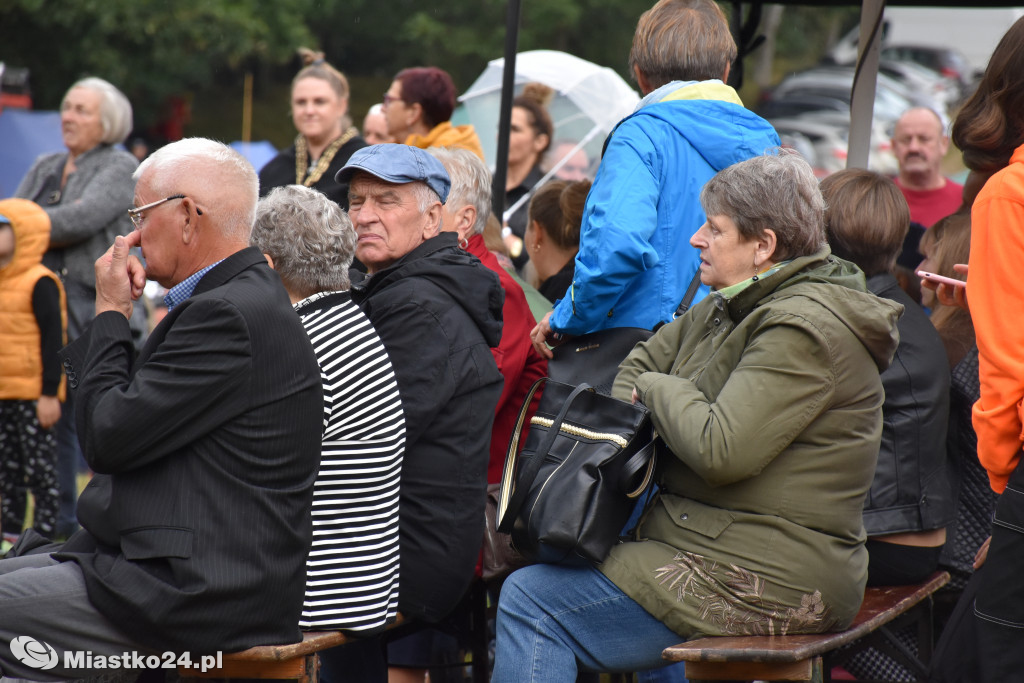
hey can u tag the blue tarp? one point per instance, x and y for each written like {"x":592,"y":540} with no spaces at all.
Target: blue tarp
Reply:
{"x":258,"y":153}
{"x":24,"y":135}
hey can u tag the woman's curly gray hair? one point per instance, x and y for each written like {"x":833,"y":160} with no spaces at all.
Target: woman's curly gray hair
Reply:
{"x":308,"y":236}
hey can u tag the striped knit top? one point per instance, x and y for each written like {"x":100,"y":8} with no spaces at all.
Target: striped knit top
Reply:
{"x":352,"y":570}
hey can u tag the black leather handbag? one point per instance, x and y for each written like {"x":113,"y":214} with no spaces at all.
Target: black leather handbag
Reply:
{"x":567,"y":495}
{"x":594,"y":357}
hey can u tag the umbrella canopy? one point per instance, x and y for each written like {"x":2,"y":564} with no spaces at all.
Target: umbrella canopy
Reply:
{"x":589,"y":99}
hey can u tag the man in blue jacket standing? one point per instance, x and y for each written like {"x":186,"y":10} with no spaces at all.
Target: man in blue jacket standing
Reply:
{"x":635,"y":261}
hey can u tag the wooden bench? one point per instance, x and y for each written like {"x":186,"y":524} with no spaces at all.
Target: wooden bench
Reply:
{"x":803,"y":657}
{"x":297,"y":661}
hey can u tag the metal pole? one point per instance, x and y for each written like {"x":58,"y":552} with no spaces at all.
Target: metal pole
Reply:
{"x":862,"y":97}
{"x":505,"y":115}
{"x":247,"y":108}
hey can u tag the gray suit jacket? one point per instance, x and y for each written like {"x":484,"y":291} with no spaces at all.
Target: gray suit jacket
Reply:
{"x":196,"y":525}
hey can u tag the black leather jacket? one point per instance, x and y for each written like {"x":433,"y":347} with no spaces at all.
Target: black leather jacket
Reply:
{"x":912,"y":489}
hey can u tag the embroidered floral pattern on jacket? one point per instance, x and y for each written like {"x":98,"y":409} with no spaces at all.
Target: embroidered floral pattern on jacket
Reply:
{"x":733,"y":598}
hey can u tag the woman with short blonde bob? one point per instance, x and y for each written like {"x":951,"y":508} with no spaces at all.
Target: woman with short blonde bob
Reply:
{"x":768,"y":399}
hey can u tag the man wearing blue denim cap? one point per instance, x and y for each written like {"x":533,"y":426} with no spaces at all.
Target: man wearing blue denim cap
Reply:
{"x":438,"y":311}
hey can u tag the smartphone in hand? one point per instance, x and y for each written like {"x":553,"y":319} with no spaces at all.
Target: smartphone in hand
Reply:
{"x":941,"y":279}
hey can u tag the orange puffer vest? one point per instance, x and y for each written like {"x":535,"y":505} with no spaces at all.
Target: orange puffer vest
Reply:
{"x":21,"y":363}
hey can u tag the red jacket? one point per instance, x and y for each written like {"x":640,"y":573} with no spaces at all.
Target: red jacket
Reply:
{"x":518,"y":361}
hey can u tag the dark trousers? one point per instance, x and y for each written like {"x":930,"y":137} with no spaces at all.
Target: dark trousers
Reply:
{"x":999,"y":605}
{"x":69,"y":460}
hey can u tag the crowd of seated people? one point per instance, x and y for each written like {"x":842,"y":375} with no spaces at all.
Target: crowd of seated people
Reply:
{"x":353,"y":419}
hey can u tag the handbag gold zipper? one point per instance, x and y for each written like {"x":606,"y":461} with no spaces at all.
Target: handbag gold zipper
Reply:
{"x":581,"y":432}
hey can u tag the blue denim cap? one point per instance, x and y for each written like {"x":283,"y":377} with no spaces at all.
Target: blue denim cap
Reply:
{"x":396,"y":163}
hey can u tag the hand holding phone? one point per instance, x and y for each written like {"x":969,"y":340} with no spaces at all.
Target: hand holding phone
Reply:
{"x":940,"y":279}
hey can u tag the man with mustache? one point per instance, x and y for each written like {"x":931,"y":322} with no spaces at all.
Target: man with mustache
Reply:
{"x":920,"y":143}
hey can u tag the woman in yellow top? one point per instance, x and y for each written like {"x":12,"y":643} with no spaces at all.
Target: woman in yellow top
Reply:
{"x":419,"y":106}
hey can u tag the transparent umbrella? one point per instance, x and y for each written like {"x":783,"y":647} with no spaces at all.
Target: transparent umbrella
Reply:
{"x":588,"y":101}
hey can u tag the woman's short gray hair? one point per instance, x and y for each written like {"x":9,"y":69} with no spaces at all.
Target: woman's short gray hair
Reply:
{"x":778,"y":192}
{"x":115,"y":109}
{"x":309,"y":237}
{"x":471,"y":182}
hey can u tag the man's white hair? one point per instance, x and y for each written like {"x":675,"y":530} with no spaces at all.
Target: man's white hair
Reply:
{"x":230,"y":185}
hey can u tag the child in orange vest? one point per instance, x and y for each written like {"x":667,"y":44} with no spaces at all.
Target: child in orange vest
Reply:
{"x":32,"y":330}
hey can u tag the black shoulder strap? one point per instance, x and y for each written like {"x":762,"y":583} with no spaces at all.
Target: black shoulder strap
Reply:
{"x":691,"y":291}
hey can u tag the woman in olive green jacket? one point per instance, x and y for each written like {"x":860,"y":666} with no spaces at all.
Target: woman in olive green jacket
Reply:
{"x":767,"y":395}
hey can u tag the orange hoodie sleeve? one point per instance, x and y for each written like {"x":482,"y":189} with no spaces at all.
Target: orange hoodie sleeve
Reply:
{"x":995,"y":292}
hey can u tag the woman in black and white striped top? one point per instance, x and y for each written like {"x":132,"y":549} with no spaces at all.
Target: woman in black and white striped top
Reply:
{"x":352,"y":570}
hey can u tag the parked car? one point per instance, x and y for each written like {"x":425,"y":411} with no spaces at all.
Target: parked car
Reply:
{"x":919,"y":78}
{"x":944,"y":60}
{"x":829,"y":133}
{"x":829,"y":143}
{"x":891,"y":97}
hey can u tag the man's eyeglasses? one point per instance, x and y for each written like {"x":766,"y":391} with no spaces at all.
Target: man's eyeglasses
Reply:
{"x":136,"y":214}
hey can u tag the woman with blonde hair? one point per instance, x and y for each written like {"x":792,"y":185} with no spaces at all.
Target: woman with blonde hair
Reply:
{"x":326,"y":137}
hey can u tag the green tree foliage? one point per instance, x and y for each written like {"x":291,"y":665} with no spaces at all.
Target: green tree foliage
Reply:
{"x":201,"y":49}
{"x":375,"y":38}
{"x":151,"y":49}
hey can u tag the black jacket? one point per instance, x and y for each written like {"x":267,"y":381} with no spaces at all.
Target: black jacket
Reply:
{"x":438,"y":312}
{"x":912,"y":489}
{"x":196,"y":526}
{"x":280,"y":171}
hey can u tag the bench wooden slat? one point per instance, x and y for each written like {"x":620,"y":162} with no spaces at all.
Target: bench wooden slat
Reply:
{"x":294,"y":661}
{"x":881,"y":605}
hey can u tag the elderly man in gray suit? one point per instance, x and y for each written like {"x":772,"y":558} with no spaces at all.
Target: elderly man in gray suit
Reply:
{"x":196,"y":526}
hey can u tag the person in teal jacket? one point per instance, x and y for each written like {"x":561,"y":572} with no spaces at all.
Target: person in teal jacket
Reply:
{"x":634,"y":262}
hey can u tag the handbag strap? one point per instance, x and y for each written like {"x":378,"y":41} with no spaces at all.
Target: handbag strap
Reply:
{"x":639,"y":460}
{"x":512,"y":454}
{"x":508,"y":513}
{"x":691,"y":292}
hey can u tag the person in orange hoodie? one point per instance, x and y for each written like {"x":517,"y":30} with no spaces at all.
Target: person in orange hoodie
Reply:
{"x":32,"y":330}
{"x":418,"y":107}
{"x":990,"y":131}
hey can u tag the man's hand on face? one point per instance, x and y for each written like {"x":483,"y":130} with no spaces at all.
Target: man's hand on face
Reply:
{"x":120,"y":276}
